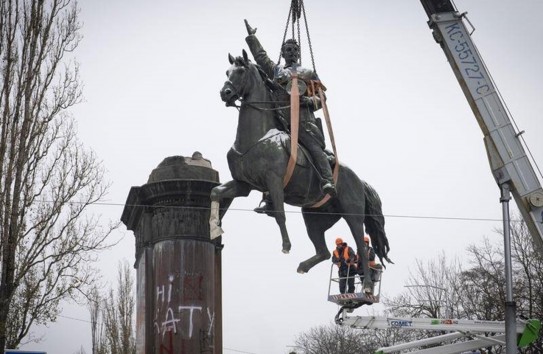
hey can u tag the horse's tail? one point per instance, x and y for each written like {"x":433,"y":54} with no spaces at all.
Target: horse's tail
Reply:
{"x":375,"y":223}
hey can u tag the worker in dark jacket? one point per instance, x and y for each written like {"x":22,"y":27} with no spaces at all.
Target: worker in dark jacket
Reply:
{"x":373,"y":266}
{"x":345,"y":258}
{"x":370,"y":254}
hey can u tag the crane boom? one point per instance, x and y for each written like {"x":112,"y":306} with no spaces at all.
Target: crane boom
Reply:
{"x":506,"y":154}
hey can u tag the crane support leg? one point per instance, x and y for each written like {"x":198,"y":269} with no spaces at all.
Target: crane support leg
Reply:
{"x":510,"y":306}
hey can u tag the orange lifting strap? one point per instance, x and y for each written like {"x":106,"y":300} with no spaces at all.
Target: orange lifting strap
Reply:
{"x":294,"y":126}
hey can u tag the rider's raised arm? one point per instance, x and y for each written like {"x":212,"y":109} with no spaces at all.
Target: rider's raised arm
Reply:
{"x":259,"y":54}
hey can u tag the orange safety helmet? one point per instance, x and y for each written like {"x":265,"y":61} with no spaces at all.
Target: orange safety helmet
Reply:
{"x":367,"y":239}
{"x":339,"y":240}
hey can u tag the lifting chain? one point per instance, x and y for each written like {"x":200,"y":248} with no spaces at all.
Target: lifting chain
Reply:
{"x":296,"y":12}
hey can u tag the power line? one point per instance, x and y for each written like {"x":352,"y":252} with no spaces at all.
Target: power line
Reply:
{"x":75,"y":319}
{"x":430,"y":217}
{"x":238,"y":351}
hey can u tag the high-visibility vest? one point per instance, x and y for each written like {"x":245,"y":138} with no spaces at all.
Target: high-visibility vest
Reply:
{"x":345,"y":253}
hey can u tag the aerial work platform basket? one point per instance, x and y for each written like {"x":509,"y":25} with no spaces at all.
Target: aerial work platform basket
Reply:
{"x":359,"y":297}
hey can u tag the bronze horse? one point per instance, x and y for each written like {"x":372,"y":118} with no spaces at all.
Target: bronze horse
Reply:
{"x":258,"y":160}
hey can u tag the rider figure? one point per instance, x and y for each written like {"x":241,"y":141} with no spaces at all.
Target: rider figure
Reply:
{"x":310,"y":136}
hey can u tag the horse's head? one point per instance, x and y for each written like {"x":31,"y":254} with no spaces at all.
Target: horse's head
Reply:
{"x":241,"y":77}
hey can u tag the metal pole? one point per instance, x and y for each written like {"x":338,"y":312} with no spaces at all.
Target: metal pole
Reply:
{"x":510,"y":306}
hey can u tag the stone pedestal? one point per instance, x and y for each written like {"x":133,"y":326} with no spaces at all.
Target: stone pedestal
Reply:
{"x":178,"y":267}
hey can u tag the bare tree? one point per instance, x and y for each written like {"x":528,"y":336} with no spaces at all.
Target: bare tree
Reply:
{"x":529,"y":261}
{"x":332,"y":339}
{"x":443,"y":289}
{"x":81,"y":351}
{"x":475,"y":289}
{"x":430,"y":290}
{"x":48,"y":240}
{"x":484,"y":283}
{"x":93,"y":304}
{"x":528,"y":281}
{"x":117,"y":317}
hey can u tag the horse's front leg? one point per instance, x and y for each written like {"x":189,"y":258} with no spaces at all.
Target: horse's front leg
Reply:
{"x":226,"y":191}
{"x":275,"y":186}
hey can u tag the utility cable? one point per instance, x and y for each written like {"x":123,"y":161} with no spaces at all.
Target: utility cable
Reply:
{"x":404,"y":216}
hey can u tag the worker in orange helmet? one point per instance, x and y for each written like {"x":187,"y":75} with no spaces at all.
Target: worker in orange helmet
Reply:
{"x":345,"y":258}
{"x":370,"y":254}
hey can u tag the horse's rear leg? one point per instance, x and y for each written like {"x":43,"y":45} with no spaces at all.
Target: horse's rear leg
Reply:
{"x":316,"y":223}
{"x":356,"y":224}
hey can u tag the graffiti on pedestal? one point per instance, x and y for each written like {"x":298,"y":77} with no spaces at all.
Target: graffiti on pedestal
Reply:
{"x":179,"y":312}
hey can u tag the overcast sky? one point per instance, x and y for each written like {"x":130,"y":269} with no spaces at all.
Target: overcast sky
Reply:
{"x":152,"y":71}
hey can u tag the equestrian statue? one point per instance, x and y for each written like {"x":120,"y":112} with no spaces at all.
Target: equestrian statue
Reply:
{"x":279,"y":150}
